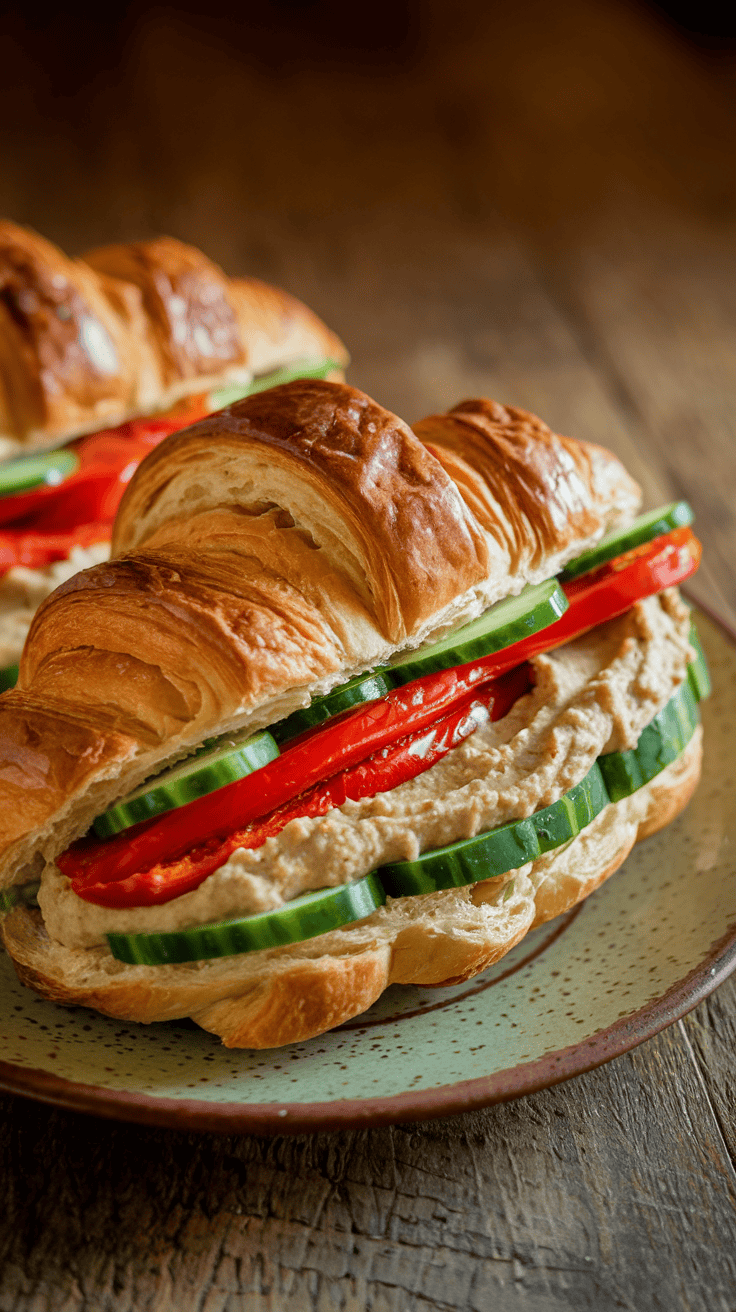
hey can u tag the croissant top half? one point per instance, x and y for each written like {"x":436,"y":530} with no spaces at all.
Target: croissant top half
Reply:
{"x":130,"y":329}
{"x":268,"y":553}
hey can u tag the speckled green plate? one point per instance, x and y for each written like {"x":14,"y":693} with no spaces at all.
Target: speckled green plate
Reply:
{"x":646,"y":948}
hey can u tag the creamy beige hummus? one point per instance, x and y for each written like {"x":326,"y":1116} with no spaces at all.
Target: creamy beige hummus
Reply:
{"x":22,"y":591}
{"x":592,"y":696}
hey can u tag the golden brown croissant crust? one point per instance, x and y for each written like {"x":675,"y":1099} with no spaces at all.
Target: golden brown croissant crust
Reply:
{"x":128,"y":330}
{"x":505,"y":462}
{"x":185,"y":297}
{"x":345,"y":469}
{"x":265,"y":554}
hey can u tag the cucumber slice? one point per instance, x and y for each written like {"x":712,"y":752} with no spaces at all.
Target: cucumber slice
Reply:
{"x":223,"y":396}
{"x":644,"y":529}
{"x":363,"y":688}
{"x":23,"y":475}
{"x":8,"y":677}
{"x":498,"y":850}
{"x":507,"y":622}
{"x":305,"y":917}
{"x":218,"y":762}
{"x":659,"y":745}
{"x":697,"y":670}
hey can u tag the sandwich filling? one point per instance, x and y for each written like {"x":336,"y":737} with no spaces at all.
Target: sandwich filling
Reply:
{"x":592,"y":696}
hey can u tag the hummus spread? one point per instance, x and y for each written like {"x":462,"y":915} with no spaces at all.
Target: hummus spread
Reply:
{"x":592,"y":696}
{"x":22,"y":591}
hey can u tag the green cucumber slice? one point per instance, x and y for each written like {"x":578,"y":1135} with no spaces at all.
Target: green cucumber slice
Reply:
{"x":23,"y":475}
{"x":697,"y":670}
{"x":506,"y":623}
{"x":8,"y":677}
{"x":218,"y":762}
{"x":643,"y":529}
{"x":223,"y":396}
{"x":659,"y":745}
{"x":363,"y":688}
{"x":305,"y":917}
{"x":498,"y":850}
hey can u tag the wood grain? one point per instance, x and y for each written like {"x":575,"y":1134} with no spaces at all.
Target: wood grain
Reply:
{"x":534,"y":202}
{"x":710,"y":1035}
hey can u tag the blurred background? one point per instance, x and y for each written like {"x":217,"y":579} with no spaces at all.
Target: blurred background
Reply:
{"x":526,"y":200}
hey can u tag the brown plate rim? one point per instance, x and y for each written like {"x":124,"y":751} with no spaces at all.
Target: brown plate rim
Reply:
{"x":447,"y":1100}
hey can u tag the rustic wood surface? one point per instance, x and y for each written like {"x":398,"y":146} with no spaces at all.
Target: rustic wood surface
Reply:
{"x":534,"y":202}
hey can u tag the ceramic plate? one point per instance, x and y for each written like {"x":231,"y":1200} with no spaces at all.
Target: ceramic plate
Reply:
{"x":643,"y":950}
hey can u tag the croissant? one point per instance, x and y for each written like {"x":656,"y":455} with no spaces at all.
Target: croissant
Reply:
{"x":130,"y":329}
{"x":260,"y":558}
{"x":126,"y":331}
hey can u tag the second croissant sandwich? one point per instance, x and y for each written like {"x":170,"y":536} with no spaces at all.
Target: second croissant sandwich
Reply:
{"x":352,"y":704}
{"x":100,"y":358}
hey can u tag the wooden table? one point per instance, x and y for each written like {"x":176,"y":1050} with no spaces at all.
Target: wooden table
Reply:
{"x":536,"y":205}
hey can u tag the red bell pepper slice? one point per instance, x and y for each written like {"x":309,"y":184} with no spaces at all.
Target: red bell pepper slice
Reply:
{"x":34,"y":550}
{"x":611,"y":590}
{"x":383,"y":770}
{"x":605,"y":594}
{"x":35,"y":521}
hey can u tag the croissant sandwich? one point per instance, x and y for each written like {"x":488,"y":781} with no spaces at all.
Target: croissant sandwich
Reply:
{"x":351,"y":705}
{"x":125,"y":345}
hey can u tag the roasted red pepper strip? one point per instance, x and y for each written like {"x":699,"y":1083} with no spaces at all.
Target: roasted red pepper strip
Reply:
{"x":337,"y":745}
{"x":611,"y":590}
{"x":604,"y":594}
{"x":35,"y":521}
{"x":380,"y":772}
{"x":36,"y":549}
